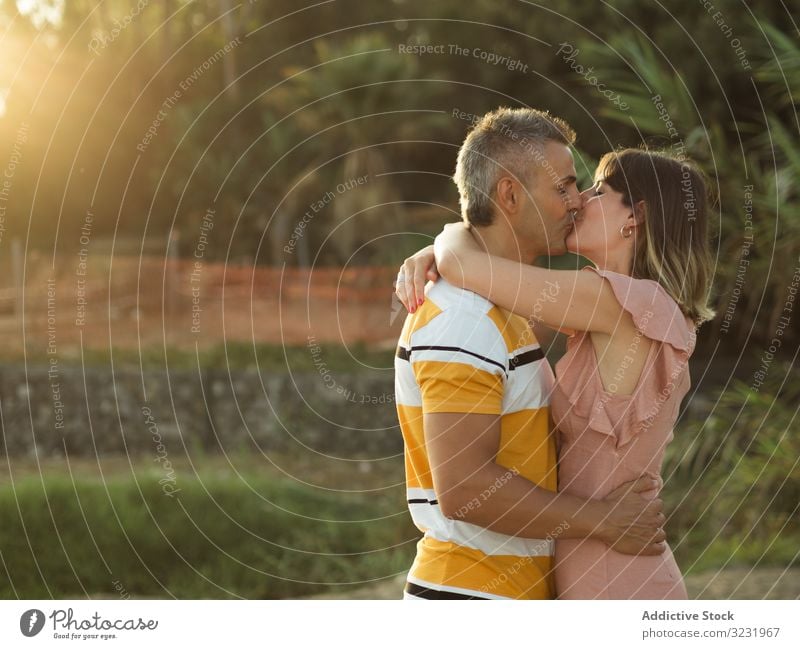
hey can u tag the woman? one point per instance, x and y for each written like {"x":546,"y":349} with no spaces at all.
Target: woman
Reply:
{"x":618,"y":387}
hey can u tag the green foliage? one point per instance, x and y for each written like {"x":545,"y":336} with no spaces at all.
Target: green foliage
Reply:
{"x":781,"y":70}
{"x":365,"y":63}
{"x":733,"y":479}
{"x":310,"y":86}
{"x":749,"y":160}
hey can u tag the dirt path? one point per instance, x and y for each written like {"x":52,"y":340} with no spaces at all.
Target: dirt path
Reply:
{"x":734,"y":583}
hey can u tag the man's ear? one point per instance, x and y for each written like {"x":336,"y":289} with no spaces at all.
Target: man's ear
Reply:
{"x":507,"y":194}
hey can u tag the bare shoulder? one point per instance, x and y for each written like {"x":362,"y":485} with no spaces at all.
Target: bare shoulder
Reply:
{"x":621,"y":356}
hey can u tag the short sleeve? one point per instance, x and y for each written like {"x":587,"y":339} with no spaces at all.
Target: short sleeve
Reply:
{"x":458,"y":387}
{"x":460,"y":363}
{"x":664,"y":381}
{"x":653,"y":310}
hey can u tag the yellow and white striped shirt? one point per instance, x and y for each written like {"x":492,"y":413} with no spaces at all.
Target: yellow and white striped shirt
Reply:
{"x":459,"y":353}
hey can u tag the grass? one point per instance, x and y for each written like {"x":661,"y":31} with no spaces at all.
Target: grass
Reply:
{"x":733,"y":478}
{"x":220,"y":536}
{"x":732,"y":492}
{"x":235,"y":355}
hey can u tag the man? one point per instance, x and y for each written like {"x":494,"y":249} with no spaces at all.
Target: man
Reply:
{"x":472,"y":391}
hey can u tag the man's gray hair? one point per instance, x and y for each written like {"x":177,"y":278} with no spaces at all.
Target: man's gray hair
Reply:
{"x":504,"y":141}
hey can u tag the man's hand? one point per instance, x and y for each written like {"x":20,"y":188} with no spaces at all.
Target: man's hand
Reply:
{"x":634,"y":524}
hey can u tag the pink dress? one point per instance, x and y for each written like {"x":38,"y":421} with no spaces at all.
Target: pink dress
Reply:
{"x":608,"y":439}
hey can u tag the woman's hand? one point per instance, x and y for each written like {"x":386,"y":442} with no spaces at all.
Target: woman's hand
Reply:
{"x":452,"y":249}
{"x":415,"y":271}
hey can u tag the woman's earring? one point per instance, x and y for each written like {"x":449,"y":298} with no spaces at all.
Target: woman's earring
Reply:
{"x":626,"y":233}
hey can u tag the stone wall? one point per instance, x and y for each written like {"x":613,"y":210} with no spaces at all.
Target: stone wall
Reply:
{"x":103,"y":412}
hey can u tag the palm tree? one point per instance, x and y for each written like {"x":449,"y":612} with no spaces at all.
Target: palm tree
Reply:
{"x":357,"y":96}
{"x":735,"y":154}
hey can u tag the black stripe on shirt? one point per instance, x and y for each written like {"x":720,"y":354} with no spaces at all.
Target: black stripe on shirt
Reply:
{"x":405,"y":354}
{"x":430,"y":593}
{"x":419,"y":501}
{"x":531,"y":356}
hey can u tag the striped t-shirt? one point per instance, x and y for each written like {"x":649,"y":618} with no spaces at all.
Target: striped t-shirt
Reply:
{"x":459,"y":353}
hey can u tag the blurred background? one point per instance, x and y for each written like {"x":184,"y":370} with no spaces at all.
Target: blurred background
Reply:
{"x":203,"y":207}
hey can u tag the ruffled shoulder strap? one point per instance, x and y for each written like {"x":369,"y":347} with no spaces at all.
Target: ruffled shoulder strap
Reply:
{"x":653,"y":310}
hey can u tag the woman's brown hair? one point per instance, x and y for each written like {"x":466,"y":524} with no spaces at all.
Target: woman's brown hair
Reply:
{"x":675,"y":249}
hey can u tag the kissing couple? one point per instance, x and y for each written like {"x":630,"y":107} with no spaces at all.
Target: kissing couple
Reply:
{"x":529,"y":483}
